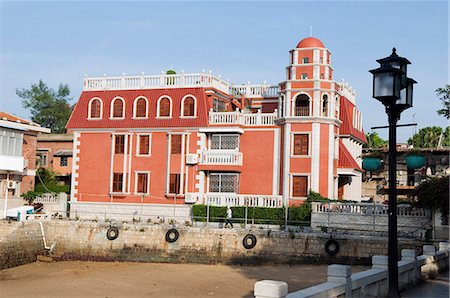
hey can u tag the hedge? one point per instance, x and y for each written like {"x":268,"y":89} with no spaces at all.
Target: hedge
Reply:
{"x":259,"y":215}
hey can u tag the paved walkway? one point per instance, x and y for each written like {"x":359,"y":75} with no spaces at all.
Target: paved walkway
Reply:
{"x":438,"y":287}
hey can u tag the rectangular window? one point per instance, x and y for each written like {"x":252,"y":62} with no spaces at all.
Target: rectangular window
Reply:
{"x":144,"y":145}
{"x":142,"y":183}
{"x":63,"y":161}
{"x":305,"y":60}
{"x":219,"y":106}
{"x":299,"y":186}
{"x":322,"y":76}
{"x":119,"y":146}
{"x":42,"y":159}
{"x":224,"y":141}
{"x":117,"y":182}
{"x":301,"y":144}
{"x":304,"y":76}
{"x":224,"y":182}
{"x":175,"y":144}
{"x":174,"y":183}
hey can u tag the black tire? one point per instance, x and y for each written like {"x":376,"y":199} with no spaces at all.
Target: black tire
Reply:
{"x":332,"y":247}
{"x":249,"y":241}
{"x":112,"y":233}
{"x":172,"y":235}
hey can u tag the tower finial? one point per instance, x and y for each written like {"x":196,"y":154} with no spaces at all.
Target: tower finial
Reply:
{"x":310,"y":31}
{"x":394,"y":50}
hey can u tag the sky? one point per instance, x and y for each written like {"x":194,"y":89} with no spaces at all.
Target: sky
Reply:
{"x":61,"y":42}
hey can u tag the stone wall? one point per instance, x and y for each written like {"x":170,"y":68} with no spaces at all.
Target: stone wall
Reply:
{"x":20,"y":243}
{"x":146,"y":243}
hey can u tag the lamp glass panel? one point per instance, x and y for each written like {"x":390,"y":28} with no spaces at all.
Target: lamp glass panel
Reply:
{"x":383,"y":84}
{"x":409,"y":93}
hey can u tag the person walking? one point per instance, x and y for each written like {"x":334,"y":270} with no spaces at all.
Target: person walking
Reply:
{"x":229,"y":217}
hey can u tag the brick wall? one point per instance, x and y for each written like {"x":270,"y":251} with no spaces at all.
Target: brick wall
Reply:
{"x":29,"y":155}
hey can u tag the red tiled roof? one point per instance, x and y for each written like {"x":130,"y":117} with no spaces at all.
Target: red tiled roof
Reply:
{"x":9,"y":117}
{"x":346,"y":115}
{"x":79,"y":117}
{"x":346,"y":160}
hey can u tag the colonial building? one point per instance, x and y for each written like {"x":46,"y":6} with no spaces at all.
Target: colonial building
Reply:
{"x":189,"y":138}
{"x":17,"y":157}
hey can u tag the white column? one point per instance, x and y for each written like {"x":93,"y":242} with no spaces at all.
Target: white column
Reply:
{"x":316,"y":103}
{"x":331,"y":194}
{"x":75,"y":159}
{"x":124,"y":185}
{"x":130,"y":155}
{"x":169,"y":138}
{"x":286,"y":161}
{"x":315,"y":155}
{"x":183,"y":157}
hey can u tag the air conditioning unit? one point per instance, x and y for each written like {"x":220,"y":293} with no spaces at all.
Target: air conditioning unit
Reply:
{"x":191,"y":159}
{"x":12,"y":184}
{"x":190,"y":198}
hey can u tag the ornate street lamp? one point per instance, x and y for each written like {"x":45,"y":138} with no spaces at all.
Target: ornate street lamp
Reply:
{"x":394,"y":90}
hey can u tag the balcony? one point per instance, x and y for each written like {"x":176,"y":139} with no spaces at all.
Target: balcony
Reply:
{"x":221,"y":157}
{"x":255,"y":91}
{"x":232,"y":199}
{"x":302,"y":111}
{"x":11,"y":163}
{"x":244,"y":119}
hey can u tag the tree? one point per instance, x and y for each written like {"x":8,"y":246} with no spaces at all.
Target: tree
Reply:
{"x":433,"y":193}
{"x":48,"y":107}
{"x":429,"y":137}
{"x":374,"y":141}
{"x":444,"y":95}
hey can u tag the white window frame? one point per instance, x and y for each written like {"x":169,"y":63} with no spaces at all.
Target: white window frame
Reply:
{"x":138,"y":143}
{"x":294,"y":99}
{"x":224,"y":174}
{"x":292,"y":144}
{"x":158,"y":107}
{"x":90,"y":107}
{"x":225,"y":134}
{"x":136,"y":182}
{"x":182,"y":106}
{"x":135,"y":107}
{"x":291,"y":184}
{"x":111,"y":112}
{"x":328,"y":104}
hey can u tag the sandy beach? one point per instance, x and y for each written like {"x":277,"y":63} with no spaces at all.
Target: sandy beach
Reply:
{"x":97,"y":279}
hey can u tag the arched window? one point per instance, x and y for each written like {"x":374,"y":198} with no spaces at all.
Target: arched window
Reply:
{"x":189,"y":106}
{"x":325,"y":105}
{"x":164,"y":107}
{"x":95,"y":109}
{"x":118,"y":108}
{"x":302,"y":105}
{"x":140,"y":108}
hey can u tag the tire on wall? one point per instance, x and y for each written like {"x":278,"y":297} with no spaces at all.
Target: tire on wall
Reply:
{"x":112,"y":233}
{"x":249,"y":241}
{"x":172,"y":235}
{"x":332,"y":247}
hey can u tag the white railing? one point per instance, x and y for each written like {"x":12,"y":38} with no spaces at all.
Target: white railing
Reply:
{"x":368,"y":209}
{"x":221,"y":157}
{"x":245,"y":119}
{"x":232,"y":199}
{"x":156,"y":81}
{"x":47,"y":198}
{"x":251,"y":91}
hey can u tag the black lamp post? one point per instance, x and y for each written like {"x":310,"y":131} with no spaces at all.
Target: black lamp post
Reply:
{"x":394,"y":89}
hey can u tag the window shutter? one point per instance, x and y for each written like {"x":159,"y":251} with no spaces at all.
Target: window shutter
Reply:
{"x":300,"y":186}
{"x":141,"y":107}
{"x":188,"y":109}
{"x":142,"y":183}
{"x":119,"y":145}
{"x":118,"y":108}
{"x":144,"y":144}
{"x":175,"y":144}
{"x":304,"y":146}
{"x":164,"y":107}
{"x":174,"y":183}
{"x":300,"y":144}
{"x":95,"y":109}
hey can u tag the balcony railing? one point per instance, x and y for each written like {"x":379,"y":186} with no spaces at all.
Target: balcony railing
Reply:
{"x":221,"y":157}
{"x":232,"y":199}
{"x":156,"y":82}
{"x":302,"y":111}
{"x":251,"y":91}
{"x":245,"y":119}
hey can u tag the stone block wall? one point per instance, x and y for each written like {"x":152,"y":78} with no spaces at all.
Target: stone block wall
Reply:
{"x":20,"y":243}
{"x":146,"y":243}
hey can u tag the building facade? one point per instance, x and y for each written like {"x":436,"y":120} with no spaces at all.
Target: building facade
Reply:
{"x":196,"y":138}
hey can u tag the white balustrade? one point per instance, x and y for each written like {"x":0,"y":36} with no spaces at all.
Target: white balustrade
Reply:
{"x":156,"y":81}
{"x":245,"y":119}
{"x":252,"y":91}
{"x":368,"y":209}
{"x":232,"y":199}
{"x":221,"y":157}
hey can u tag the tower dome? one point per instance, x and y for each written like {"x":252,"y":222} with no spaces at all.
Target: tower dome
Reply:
{"x":310,"y":42}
